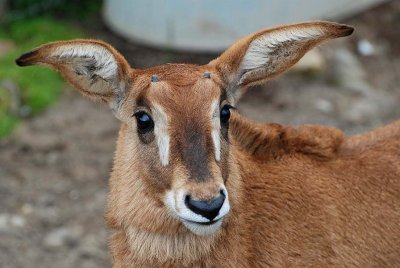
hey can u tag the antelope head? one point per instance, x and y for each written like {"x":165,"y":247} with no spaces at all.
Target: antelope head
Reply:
{"x":177,"y":143}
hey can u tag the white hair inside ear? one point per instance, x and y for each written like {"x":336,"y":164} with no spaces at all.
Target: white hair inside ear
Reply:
{"x":275,"y":50}
{"x":266,"y":46}
{"x":89,"y":60}
{"x":93,"y":67}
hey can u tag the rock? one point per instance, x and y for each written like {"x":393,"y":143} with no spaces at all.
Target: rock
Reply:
{"x":365,"y":48}
{"x":324,"y":106}
{"x":26,"y":209}
{"x":372,"y":107}
{"x":312,"y":62}
{"x":49,"y":215}
{"x":47,"y":199}
{"x":349,"y":72}
{"x":17,"y":221}
{"x":90,"y":247}
{"x":56,"y":238}
{"x":74,"y":194}
{"x":8,"y":221}
{"x":63,"y":236}
{"x":51,"y":158}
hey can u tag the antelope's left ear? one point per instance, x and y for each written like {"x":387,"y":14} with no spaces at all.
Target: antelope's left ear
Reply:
{"x":93,"y":67}
{"x":260,"y":57}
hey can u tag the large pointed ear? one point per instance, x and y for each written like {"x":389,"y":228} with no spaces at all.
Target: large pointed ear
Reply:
{"x":95,"y":68}
{"x":261,"y":56}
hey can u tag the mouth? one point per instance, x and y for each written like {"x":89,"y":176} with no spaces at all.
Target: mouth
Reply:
{"x":202,"y":223}
{"x":203,"y":228}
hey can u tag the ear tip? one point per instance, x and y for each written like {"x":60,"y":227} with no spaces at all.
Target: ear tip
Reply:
{"x":26,"y":59}
{"x":339,"y":30}
{"x":20,"y":62}
{"x":346,"y":30}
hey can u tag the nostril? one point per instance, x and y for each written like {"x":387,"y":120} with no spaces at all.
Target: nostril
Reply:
{"x":205,"y":208}
{"x":187,"y":199}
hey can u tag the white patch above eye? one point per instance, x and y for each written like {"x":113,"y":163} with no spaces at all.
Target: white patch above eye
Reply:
{"x":161,"y":133}
{"x":260,"y":49}
{"x":105,"y":65}
{"x":216,"y":129}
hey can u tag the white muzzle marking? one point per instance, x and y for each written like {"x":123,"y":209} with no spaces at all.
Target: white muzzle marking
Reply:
{"x":175,"y":201}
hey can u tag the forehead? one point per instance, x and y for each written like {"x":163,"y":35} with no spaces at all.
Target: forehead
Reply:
{"x":181,"y":87}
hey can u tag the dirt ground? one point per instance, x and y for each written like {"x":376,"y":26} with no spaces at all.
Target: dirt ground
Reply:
{"x":54,"y":170}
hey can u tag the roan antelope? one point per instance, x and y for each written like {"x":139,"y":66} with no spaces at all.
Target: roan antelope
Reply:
{"x":195,"y":184}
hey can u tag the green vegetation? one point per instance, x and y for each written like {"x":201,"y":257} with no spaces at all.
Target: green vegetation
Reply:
{"x":7,"y":120}
{"x":26,"y":24}
{"x":37,"y":87}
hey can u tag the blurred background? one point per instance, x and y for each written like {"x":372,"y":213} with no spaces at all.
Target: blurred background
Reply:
{"x":56,"y":147}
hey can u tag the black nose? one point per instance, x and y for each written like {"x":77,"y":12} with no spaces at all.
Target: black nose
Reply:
{"x":207,"y":209}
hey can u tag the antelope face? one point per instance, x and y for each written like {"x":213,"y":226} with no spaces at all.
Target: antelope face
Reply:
{"x":177,"y":145}
{"x":182,"y":116}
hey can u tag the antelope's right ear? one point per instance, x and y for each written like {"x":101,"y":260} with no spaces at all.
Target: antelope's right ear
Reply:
{"x":266,"y":54}
{"x":95,"y":68}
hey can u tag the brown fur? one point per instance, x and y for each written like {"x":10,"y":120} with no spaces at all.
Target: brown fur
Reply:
{"x":303,"y":196}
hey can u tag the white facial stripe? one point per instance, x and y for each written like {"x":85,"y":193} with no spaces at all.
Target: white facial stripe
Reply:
{"x":217,"y":143}
{"x":90,"y":52}
{"x":161,"y":133}
{"x":257,"y":54}
{"x":215,"y":129}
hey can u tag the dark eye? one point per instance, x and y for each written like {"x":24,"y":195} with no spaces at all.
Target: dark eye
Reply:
{"x":144,"y":122}
{"x":225,"y":114}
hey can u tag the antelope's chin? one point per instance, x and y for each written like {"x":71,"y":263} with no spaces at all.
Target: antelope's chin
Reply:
{"x":203,"y":228}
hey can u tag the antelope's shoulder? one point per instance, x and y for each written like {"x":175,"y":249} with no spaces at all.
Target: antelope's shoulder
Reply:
{"x":274,"y":140}
{"x":386,"y":137}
